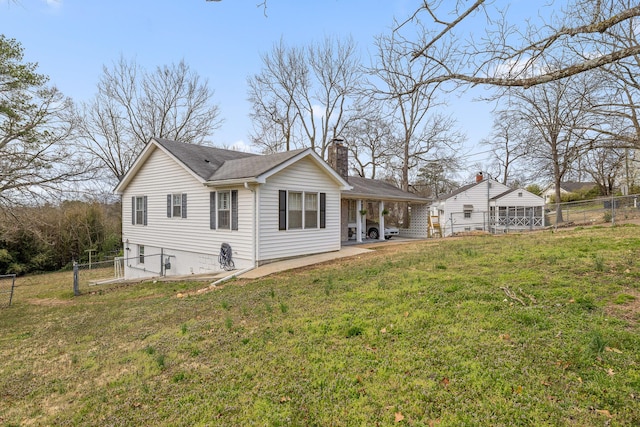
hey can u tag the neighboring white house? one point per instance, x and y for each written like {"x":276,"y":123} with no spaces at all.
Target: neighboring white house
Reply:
{"x":181,"y":202}
{"x":486,"y":205}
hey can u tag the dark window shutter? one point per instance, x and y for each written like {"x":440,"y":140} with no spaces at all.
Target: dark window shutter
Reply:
{"x":234,"y":209}
{"x":212,"y":210}
{"x":144,"y":214}
{"x":323,"y":210}
{"x":133,"y":211}
{"x":184,"y":205}
{"x":282,"y":210}
{"x":168,"y":205}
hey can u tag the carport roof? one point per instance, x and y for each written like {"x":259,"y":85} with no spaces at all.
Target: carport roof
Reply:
{"x":365,"y":188}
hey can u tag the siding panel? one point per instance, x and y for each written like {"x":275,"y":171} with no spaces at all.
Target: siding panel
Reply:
{"x":274,"y":243}
{"x":159,"y":176}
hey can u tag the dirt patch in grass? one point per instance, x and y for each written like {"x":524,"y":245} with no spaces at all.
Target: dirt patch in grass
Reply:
{"x":626,"y":306}
{"x":49,"y":302}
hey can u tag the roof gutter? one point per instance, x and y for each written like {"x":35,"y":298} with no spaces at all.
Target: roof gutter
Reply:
{"x":233,"y":181}
{"x":368,"y":196}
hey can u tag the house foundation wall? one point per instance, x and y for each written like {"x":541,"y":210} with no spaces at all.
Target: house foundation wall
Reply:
{"x":173,"y":262}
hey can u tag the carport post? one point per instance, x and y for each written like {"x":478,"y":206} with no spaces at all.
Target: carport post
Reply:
{"x":381,"y":221}
{"x":358,"y":221}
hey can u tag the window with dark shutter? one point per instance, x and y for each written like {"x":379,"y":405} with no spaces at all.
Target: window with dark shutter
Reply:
{"x":323,"y":210}
{"x":169,"y":205}
{"x":184,"y":206}
{"x":212,"y":210}
{"x":234,"y":209}
{"x":282,"y":210}
{"x":144,"y":221}
{"x":133,"y":211}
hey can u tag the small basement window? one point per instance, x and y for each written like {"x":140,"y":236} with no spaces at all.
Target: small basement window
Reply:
{"x":467,"y":209}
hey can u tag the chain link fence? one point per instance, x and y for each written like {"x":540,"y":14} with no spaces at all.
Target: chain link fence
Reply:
{"x":87,"y":277}
{"x":7,"y":284}
{"x":93,"y":276}
{"x":603,"y":210}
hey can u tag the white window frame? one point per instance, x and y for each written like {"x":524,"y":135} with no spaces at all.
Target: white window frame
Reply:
{"x":316,"y":209}
{"x":140,"y":254}
{"x":293,"y":214}
{"x":223,"y":209}
{"x":139,"y":201}
{"x":176,"y":205}
{"x":302,"y":213}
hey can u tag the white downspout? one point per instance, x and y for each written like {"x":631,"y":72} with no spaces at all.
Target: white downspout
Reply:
{"x":255,"y":225}
{"x":231,"y":276}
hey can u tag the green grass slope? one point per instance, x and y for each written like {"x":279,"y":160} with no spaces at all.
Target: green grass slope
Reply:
{"x":531,"y":330}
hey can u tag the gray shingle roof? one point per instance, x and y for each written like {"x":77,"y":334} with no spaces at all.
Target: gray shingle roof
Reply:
{"x":251,"y":166}
{"x":373,"y":188}
{"x":218,"y":164}
{"x":203,"y":160}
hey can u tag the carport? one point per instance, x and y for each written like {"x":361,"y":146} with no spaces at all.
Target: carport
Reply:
{"x":372,"y":193}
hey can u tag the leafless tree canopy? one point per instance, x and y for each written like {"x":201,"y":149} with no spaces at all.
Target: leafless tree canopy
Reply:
{"x":559,"y":118}
{"x":133,"y":105}
{"x":303,"y":94}
{"x":510,"y":141}
{"x":519,"y":53}
{"x":421,"y":133}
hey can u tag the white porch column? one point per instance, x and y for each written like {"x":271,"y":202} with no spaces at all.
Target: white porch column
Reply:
{"x":381,"y":220}
{"x":358,"y":221}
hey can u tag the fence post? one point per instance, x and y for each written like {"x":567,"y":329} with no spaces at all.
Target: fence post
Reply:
{"x":13,"y":284}
{"x":613,"y":211}
{"x":76,"y":285}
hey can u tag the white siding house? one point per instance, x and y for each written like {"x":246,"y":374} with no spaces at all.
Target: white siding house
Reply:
{"x":181,"y":202}
{"x":473,"y":207}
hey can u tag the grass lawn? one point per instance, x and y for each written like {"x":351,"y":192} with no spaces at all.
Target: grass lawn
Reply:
{"x":535,"y":329}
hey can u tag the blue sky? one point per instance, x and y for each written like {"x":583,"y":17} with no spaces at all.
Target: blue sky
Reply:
{"x":222,"y":41}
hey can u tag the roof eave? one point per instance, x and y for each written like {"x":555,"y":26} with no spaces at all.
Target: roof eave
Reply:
{"x":234,"y":181}
{"x":352,"y":195}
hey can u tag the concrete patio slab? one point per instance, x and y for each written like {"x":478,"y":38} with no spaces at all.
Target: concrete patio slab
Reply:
{"x":290,"y":264}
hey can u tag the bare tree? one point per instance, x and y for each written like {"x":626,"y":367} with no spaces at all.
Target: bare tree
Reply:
{"x":559,"y":116}
{"x":512,"y":54}
{"x":274,"y":94}
{"x":133,"y":105}
{"x":370,"y":140}
{"x":302,"y":95}
{"x":422,"y":134}
{"x":619,"y":122}
{"x":605,"y":165}
{"x":35,"y":128}
{"x":509,"y":142}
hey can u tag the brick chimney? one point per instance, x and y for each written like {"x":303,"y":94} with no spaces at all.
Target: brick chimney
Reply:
{"x":479,"y":177}
{"x":339,"y":157}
